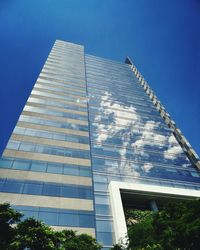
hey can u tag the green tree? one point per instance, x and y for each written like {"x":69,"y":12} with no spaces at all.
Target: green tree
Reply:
{"x":69,"y":240}
{"x":36,"y":235}
{"x":117,"y":247}
{"x":8,"y":217}
{"x":141,"y":231}
{"x":152,"y":247}
{"x":175,"y":227}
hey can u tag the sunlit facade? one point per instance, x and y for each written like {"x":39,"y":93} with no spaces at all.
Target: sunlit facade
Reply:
{"x":90,"y":122}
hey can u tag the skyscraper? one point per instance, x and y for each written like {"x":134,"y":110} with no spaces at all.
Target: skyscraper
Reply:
{"x":92,"y":139}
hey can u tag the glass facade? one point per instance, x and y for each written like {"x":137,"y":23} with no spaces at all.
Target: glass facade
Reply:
{"x":46,"y":168}
{"x":130,"y":141}
{"x":88,"y":121}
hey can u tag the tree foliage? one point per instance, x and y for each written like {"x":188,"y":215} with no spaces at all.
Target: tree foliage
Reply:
{"x":8,"y":217}
{"x":36,"y":235}
{"x":175,"y":227}
{"x":141,"y":232}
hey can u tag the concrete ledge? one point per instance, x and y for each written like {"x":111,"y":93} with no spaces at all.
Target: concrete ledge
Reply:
{"x":119,"y":222}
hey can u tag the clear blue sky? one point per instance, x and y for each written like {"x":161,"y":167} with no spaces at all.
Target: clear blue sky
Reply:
{"x":161,"y":36}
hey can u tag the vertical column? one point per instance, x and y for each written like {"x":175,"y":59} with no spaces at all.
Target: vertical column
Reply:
{"x":192,"y":155}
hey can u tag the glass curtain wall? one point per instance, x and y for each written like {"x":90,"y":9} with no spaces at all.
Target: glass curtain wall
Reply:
{"x":130,"y":141}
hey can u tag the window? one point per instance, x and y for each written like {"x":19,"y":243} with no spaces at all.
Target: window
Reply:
{"x":32,"y":188}
{"x":13,"y":186}
{"x":102,"y":209}
{"x":6,"y":163}
{"x":22,"y":165}
{"x":38,"y":166}
{"x":104,"y":226}
{"x":105,"y":238}
{"x":70,"y":219}
{"x":51,"y":189}
{"x":13,"y":145}
{"x":49,"y":218}
{"x":71,"y":170}
{"x":54,"y":168}
{"x":86,"y":220}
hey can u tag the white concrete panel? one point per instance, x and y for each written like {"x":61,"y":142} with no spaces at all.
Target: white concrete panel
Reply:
{"x":46,"y":177}
{"x":120,"y":228}
{"x":46,"y":201}
{"x":80,"y":230}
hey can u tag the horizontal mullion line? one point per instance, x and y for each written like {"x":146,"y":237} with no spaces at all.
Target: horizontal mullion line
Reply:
{"x":111,"y":107}
{"x":55,"y":124}
{"x":130,"y":94}
{"x":67,"y":75}
{"x":104,"y":66}
{"x":55,"y":113}
{"x":59,"y":100}
{"x":51,"y":107}
{"x":106,"y":80}
{"x":105,"y":60}
{"x":76,"y":62}
{"x":61,"y":78}
{"x":45,"y":166}
{"x":62,"y":86}
{"x":95,"y":124}
{"x":139,"y":162}
{"x":106,"y":70}
{"x":116,"y":148}
{"x":63,"y":70}
{"x":152,"y":179}
{"x":55,"y":118}
{"x":109,"y":86}
{"x":59,"y":90}
{"x":67,"y":53}
{"x":45,"y":201}
{"x":50,"y":142}
{"x":78,"y":49}
{"x":140,"y":104}
{"x":103,"y":87}
{"x":62,"y":81}
{"x":46,"y":157}
{"x":61,"y":66}
{"x":91,"y":115}
{"x":55,"y":103}
{"x":141,"y":113}
{"x":112,"y":100}
{"x":67,"y":71}
{"x":59,"y":93}
{"x":70,"y":55}
{"x":112,"y":77}
{"x":39,"y":131}
{"x":68,"y":47}
{"x":52,"y":129}
{"x":140,"y":129}
{"x":131,"y":103}
{"x":65,"y":44}
{"x":47,"y":177}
